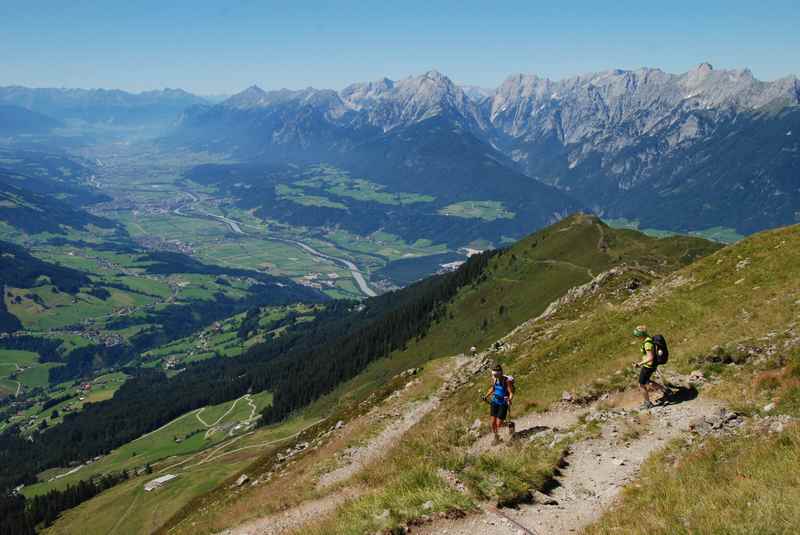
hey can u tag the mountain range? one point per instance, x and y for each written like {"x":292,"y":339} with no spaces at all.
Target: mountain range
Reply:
{"x":705,"y":148}
{"x":108,"y":106}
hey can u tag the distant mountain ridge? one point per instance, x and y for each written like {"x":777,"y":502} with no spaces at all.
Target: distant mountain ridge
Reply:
{"x":112,"y":106}
{"x":717,"y":147}
{"x":15,"y":120}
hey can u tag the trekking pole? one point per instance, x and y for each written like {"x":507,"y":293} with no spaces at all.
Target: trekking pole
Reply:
{"x":663,"y":380}
{"x":524,"y":529}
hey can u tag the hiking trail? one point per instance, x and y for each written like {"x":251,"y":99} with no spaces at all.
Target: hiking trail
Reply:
{"x":595,"y":472}
{"x":401,"y":419}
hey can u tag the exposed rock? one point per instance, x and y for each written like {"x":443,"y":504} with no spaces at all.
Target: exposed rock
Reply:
{"x":722,"y":421}
{"x":697,"y":377}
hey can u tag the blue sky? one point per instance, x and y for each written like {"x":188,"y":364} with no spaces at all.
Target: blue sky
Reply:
{"x":212,"y":47}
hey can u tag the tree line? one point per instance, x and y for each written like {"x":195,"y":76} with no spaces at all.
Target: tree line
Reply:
{"x":22,"y":516}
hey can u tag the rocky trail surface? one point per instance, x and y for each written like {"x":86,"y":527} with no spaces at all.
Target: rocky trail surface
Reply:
{"x":595,"y":469}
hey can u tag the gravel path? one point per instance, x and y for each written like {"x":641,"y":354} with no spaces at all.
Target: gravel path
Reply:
{"x":294,"y":518}
{"x":597,"y":470}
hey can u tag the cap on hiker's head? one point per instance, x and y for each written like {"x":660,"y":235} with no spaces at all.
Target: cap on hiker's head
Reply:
{"x":640,"y":331}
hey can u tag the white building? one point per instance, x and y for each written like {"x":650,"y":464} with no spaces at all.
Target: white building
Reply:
{"x":158,"y":482}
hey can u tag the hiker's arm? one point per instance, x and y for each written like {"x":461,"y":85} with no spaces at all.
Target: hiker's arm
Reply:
{"x":648,"y":359}
{"x":510,"y":392}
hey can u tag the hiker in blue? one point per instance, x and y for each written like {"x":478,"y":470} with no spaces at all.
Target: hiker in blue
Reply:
{"x":499,"y":395}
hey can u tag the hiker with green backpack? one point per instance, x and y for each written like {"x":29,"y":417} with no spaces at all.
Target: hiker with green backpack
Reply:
{"x":654,"y":353}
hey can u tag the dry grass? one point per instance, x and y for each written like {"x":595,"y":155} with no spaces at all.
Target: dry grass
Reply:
{"x":742,"y":485}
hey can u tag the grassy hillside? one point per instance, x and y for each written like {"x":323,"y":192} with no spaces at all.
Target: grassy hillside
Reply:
{"x":521,"y":282}
{"x":732,"y":315}
{"x":517,"y":284}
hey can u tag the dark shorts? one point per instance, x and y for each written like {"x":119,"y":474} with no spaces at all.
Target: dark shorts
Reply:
{"x":499,"y":411}
{"x":645,"y":374}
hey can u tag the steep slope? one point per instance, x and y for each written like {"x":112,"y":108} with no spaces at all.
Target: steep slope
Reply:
{"x":33,"y":183}
{"x":440,"y":469}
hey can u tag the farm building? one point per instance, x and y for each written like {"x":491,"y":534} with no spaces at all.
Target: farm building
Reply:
{"x":158,"y":482}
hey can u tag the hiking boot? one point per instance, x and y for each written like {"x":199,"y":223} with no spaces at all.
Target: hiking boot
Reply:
{"x":497,"y":440}
{"x":645,"y":406}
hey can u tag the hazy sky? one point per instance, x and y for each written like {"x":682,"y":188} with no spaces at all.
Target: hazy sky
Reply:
{"x":222,"y":46}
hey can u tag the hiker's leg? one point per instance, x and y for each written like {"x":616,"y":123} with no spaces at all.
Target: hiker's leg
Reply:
{"x":644,"y":382}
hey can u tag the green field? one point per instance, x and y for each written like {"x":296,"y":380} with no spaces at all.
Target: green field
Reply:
{"x":340,"y":184}
{"x":185,"y":435}
{"x":7,"y":388}
{"x":17,"y":357}
{"x":44,"y":307}
{"x":225,"y":341}
{"x":299,"y":196}
{"x":128,"y":509}
{"x":486,"y":210}
{"x":36,"y":376}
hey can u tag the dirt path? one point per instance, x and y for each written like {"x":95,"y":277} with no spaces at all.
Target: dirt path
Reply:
{"x":401,"y":421}
{"x":557,"y":418}
{"x":230,"y":409}
{"x":403,"y":418}
{"x":358,"y":458}
{"x":568,"y":264}
{"x":164,"y":426}
{"x":217,"y":452}
{"x":126,"y":513}
{"x":294,"y":518}
{"x":597,"y":470}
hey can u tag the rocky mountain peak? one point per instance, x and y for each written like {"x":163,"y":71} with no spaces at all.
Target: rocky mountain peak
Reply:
{"x":251,"y":97}
{"x":389,"y":104}
{"x":704,"y":67}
